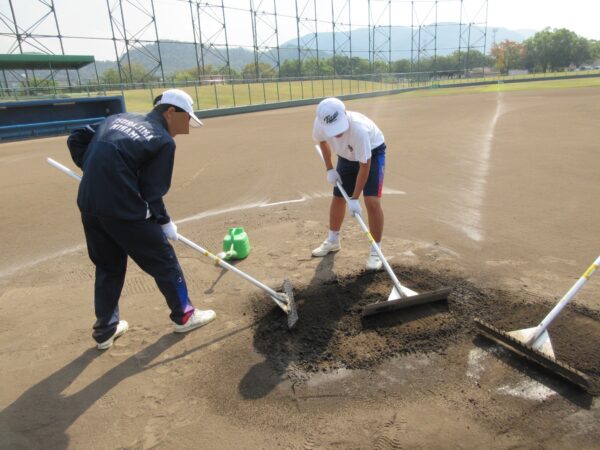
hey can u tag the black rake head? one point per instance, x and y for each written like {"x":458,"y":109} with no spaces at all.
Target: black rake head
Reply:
{"x":292,"y":312}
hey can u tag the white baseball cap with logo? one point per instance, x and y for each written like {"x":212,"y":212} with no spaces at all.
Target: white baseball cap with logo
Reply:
{"x":181,"y":99}
{"x":331,"y":113}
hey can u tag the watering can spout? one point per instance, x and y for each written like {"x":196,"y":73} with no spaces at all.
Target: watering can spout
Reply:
{"x":231,"y":253}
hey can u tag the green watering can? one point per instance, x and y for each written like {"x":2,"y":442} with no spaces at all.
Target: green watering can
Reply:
{"x":236,"y":244}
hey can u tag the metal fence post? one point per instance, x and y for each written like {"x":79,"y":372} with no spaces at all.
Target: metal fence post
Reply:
{"x":196,"y":91}
{"x":216,"y":95}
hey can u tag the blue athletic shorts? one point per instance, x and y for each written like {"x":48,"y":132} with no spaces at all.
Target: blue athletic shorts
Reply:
{"x":348,"y":171}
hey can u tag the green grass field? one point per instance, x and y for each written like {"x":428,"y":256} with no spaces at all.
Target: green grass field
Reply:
{"x":223,"y":96}
{"x":229,"y":95}
{"x":214,"y":96}
{"x":510,"y":87}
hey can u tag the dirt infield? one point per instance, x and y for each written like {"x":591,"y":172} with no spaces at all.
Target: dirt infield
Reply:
{"x":332,"y":334}
{"x":491,"y":194}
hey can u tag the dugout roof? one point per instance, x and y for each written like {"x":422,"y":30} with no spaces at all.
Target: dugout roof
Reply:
{"x":43,"y":62}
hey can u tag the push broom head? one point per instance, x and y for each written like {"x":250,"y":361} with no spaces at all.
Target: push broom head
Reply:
{"x":406,"y":302}
{"x":292,"y":312}
{"x":285,"y":300}
{"x":513,"y":344}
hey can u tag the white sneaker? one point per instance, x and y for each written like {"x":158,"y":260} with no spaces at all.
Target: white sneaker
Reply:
{"x":196,"y":320}
{"x":374,"y":263}
{"x":326,"y":247}
{"x":122,"y":328}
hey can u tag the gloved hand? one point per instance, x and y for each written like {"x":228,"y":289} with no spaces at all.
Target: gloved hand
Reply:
{"x":354,"y":206}
{"x":170,"y":230}
{"x":333,"y":176}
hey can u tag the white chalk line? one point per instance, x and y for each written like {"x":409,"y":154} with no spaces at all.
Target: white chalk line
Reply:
{"x":66,"y":251}
{"x":527,"y":389}
{"x":284,"y":202}
{"x":216,"y":212}
{"x":266,"y":204}
{"x":260,"y":204}
{"x":475,"y":363}
{"x":473,"y":196}
{"x":324,"y":194}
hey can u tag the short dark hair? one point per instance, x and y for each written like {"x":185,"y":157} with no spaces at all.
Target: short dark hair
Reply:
{"x":162,"y":107}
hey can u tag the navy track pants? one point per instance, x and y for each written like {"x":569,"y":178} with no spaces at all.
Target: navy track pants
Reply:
{"x":109,"y":242}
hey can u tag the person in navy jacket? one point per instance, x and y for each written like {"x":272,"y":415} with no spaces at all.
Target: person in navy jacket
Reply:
{"x":127,"y":163}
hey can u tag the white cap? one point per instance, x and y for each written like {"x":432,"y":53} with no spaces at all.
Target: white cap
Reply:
{"x":181,"y":99}
{"x":331,"y":113}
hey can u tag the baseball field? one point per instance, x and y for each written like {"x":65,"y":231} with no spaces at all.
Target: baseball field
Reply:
{"x":493,"y":193}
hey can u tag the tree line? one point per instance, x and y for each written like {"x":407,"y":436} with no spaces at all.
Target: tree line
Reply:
{"x":547,"y":50}
{"x":310,"y":67}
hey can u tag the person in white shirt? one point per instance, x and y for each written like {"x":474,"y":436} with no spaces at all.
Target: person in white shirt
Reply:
{"x":360,"y":148}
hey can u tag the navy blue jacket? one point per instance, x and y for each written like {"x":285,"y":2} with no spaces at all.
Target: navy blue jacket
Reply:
{"x":127,"y":162}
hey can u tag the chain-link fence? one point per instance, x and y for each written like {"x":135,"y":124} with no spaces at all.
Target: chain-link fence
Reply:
{"x":221,"y":92}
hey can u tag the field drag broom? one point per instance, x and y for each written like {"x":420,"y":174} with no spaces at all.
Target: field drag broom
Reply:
{"x":285,"y":300}
{"x":534,"y":343}
{"x":401,"y":297}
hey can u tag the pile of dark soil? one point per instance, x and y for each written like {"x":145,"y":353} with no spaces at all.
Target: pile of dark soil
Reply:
{"x":330,"y":333}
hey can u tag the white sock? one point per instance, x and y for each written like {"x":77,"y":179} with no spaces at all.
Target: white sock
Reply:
{"x":334,"y":237}
{"x":373,"y":252}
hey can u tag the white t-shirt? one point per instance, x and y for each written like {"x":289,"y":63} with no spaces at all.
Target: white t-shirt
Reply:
{"x":357,"y":142}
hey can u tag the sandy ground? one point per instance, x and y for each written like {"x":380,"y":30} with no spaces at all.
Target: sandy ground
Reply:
{"x":492,"y":194}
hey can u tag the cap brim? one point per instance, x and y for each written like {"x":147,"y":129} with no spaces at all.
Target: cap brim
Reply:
{"x":338,"y":127}
{"x":194,"y":121}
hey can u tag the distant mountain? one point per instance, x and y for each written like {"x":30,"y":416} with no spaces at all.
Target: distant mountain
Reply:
{"x":443,"y":39}
{"x":182,"y":55}
{"x":89,"y":72}
{"x":175,"y":56}
{"x":178,"y":56}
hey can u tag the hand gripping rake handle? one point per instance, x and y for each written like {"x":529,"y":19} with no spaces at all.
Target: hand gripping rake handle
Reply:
{"x":281,"y":300}
{"x":365,"y":229}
